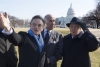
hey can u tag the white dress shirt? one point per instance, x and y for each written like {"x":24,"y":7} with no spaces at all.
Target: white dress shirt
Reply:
{"x":7,"y":32}
{"x":45,"y":32}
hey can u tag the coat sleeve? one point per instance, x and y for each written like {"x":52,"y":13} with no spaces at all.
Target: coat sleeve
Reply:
{"x":58,"y":51}
{"x":12,"y":56}
{"x":16,"y":38}
{"x":91,"y":41}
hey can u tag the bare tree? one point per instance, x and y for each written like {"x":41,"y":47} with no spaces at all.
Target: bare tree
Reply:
{"x":13,"y":20}
{"x":93,"y":15}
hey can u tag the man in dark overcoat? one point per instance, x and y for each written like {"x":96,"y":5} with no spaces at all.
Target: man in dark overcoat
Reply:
{"x":77,"y":45}
{"x":30,"y":44}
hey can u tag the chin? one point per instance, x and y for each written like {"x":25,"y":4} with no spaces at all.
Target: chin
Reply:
{"x":74,"y":34}
{"x":37,"y":33}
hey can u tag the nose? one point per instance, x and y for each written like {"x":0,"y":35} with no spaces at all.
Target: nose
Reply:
{"x":73,"y":28}
{"x":53,"y":23}
{"x":36,"y":26}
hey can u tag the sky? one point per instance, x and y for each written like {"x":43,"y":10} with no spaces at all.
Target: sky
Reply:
{"x":26,"y":9}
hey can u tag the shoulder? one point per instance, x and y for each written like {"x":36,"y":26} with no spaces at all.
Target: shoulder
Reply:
{"x":22,"y":33}
{"x":57,"y":33}
{"x":67,"y":36}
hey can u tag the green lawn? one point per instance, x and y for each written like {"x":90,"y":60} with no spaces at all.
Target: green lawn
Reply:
{"x":95,"y":56}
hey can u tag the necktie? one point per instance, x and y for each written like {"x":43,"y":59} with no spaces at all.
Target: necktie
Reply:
{"x":38,"y":37}
{"x":47,"y":37}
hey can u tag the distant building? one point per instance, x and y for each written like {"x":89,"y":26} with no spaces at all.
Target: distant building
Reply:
{"x":67,"y":19}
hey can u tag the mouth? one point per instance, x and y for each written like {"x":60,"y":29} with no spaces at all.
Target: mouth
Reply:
{"x":36,"y":30}
{"x":73,"y":32}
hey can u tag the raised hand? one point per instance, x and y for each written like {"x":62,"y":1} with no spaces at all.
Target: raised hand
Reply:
{"x":83,"y":25}
{"x":5,"y":21}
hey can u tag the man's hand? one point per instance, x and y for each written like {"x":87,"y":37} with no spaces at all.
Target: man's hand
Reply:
{"x":5,"y":21}
{"x":83,"y":25}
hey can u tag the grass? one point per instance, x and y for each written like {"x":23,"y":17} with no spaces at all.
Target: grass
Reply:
{"x":94,"y":56}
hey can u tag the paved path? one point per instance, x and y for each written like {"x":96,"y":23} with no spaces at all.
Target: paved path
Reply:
{"x":96,"y":32}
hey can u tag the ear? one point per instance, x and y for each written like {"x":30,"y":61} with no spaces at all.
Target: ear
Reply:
{"x":45,"y":20}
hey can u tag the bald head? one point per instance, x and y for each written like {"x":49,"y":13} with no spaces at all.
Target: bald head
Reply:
{"x":50,"y":21}
{"x":49,"y":16}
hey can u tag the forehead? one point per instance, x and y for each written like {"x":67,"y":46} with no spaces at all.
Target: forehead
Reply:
{"x":74,"y":24}
{"x":50,"y":17}
{"x":37,"y":21}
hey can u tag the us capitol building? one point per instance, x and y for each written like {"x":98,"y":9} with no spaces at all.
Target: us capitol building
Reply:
{"x":63,"y":20}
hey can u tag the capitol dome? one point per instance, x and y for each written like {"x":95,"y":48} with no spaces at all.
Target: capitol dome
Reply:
{"x":68,"y":18}
{"x":70,"y":14}
{"x":70,"y":11}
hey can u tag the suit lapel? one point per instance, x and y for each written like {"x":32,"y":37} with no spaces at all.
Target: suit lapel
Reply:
{"x":35,"y":46}
{"x":52,"y":36}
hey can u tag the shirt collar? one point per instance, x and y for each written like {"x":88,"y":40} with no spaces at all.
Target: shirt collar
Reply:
{"x":79,"y":35}
{"x":45,"y":30}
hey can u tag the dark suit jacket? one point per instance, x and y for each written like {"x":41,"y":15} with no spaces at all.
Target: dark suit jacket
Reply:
{"x":8,"y":57}
{"x":29,"y":54}
{"x":54,"y":47}
{"x":76,"y":51}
